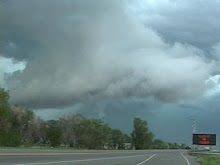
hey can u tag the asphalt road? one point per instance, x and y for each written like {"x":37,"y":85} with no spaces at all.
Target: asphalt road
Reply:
{"x":68,"y":157}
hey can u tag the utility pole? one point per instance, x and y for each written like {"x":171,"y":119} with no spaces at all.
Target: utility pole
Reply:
{"x":194,"y":125}
{"x":193,"y":129}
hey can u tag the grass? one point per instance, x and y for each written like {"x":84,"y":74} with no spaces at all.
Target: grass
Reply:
{"x":208,"y":159}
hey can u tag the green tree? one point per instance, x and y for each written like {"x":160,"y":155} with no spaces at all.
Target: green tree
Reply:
{"x":37,"y":131}
{"x":159,"y":144}
{"x":117,"y":139}
{"x":5,"y":114}
{"x":71,"y":130}
{"x":141,"y":136}
{"x":29,"y":127}
{"x":97,"y":133}
{"x":22,"y":119}
{"x":92,"y":134}
{"x":128,"y":139}
{"x":184,"y":146}
{"x":53,"y":133}
{"x":174,"y":146}
{"x":8,"y":137}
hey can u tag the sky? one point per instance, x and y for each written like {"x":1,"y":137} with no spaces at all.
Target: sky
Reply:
{"x":115,"y":60}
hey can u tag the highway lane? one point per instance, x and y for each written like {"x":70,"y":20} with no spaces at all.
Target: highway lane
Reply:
{"x":71,"y":157}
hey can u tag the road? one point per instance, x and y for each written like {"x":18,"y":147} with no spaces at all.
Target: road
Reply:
{"x":70,"y":157}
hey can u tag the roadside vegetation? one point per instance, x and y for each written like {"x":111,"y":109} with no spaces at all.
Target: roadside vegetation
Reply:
{"x":19,"y":127}
{"x":208,"y":159}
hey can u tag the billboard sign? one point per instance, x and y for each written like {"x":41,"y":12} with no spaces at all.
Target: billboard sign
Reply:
{"x":204,"y":139}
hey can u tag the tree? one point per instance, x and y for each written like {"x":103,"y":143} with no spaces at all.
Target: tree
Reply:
{"x":21,"y":121}
{"x":97,"y":134}
{"x":7,"y":135}
{"x":128,"y":139}
{"x":117,"y":139}
{"x":29,"y":127}
{"x":159,"y":144}
{"x":37,"y":131}
{"x":141,"y":136}
{"x":53,"y":133}
{"x":70,"y":125}
{"x":5,"y":114}
{"x":92,"y":134}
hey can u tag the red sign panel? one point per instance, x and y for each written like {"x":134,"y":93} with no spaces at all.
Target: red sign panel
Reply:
{"x":204,"y":139}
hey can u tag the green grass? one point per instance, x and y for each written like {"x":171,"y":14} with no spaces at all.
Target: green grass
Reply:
{"x":208,"y":159}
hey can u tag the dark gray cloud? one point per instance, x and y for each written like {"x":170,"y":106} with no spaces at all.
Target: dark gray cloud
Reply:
{"x":88,"y":51}
{"x":118,"y":113}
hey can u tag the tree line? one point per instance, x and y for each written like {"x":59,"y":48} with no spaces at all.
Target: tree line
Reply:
{"x":21,"y":127}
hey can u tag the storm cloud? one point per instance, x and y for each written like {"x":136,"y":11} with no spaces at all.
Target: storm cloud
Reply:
{"x":86,"y":51}
{"x":193,"y":22}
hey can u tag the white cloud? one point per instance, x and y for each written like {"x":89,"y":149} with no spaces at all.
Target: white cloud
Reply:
{"x":9,"y":66}
{"x":213,"y":85}
{"x":194,"y":22}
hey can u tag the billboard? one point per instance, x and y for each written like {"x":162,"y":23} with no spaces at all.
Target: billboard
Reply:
{"x":204,"y":139}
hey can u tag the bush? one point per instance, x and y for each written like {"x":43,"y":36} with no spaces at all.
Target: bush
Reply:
{"x":10,"y":139}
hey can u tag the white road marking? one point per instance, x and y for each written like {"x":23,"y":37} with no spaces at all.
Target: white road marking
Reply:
{"x":146,"y":160}
{"x":185,"y":159}
{"x":83,"y":160}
